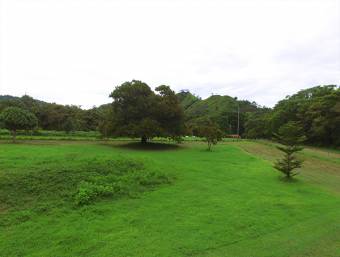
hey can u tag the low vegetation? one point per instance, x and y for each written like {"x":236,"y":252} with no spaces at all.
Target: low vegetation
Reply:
{"x":115,"y":179}
{"x":227,"y":203}
{"x":49,"y":187}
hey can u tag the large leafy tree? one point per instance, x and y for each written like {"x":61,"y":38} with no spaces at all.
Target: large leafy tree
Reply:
{"x":139,"y":112}
{"x":14,"y":118}
{"x":169,"y":113}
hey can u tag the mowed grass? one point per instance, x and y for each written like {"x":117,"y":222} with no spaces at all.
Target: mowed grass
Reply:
{"x":228,"y":202}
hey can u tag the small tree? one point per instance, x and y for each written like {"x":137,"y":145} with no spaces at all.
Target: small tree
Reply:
{"x":69,"y":125}
{"x":289,"y":136}
{"x":211,"y":132}
{"x":14,"y":118}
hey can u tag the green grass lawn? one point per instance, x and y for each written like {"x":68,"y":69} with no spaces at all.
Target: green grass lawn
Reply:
{"x":228,"y":202}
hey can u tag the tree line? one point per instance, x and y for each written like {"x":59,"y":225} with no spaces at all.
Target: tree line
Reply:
{"x":52,"y":116}
{"x":138,"y":111}
{"x":314,"y":111}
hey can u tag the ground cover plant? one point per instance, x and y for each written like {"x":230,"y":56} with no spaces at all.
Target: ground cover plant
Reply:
{"x":228,"y":202}
{"x":43,"y":189}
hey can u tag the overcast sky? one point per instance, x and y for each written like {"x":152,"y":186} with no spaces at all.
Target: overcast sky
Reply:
{"x":77,"y":51}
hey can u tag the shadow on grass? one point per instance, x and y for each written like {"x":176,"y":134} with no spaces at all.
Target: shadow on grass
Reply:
{"x":147,"y":147}
{"x":291,"y":180}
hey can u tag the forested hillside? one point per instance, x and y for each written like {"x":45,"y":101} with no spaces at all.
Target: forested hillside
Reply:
{"x":52,"y":116}
{"x":221,"y":109}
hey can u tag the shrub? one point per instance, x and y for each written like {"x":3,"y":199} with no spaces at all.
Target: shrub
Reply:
{"x":46,"y":188}
{"x":124,"y":177}
{"x":87,"y":192}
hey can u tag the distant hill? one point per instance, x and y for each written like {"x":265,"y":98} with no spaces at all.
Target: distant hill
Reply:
{"x":187,"y":99}
{"x":221,"y":109}
{"x":7,"y":97}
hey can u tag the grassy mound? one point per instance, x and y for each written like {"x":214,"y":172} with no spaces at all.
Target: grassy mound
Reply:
{"x":125,"y":177}
{"x":46,"y":188}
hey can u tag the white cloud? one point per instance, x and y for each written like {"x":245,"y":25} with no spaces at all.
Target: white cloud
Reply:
{"x":75,"y":52}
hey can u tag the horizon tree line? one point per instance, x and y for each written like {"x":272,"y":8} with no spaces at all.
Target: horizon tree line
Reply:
{"x":163,"y":113}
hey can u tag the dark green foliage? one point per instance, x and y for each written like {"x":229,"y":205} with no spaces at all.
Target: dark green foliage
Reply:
{"x":69,"y":125}
{"x":290,"y":136}
{"x":316,"y":109}
{"x":106,"y":121}
{"x":139,"y":112}
{"x":257,"y":124}
{"x":14,"y":118}
{"x":210,"y":131}
{"x":53,"y":116}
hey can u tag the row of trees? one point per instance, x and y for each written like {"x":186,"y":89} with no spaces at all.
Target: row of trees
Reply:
{"x":51,"y":116}
{"x":138,"y":111}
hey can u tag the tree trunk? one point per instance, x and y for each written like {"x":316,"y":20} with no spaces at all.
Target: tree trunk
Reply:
{"x":209,"y":146}
{"x":143,"y":139}
{"x":14,"y":135}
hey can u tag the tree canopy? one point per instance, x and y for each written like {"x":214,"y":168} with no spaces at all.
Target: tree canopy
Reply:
{"x":52,"y":116}
{"x":210,"y":131}
{"x":140,"y":112}
{"x":316,"y":109}
{"x":14,"y":118}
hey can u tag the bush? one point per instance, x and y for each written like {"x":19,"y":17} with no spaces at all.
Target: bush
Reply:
{"x":124,"y":177}
{"x":88,"y":191}
{"x":44,"y":188}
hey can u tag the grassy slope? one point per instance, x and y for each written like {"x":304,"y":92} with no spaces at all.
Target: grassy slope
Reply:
{"x":212,"y":107}
{"x":223,"y":203}
{"x":320,"y":167}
